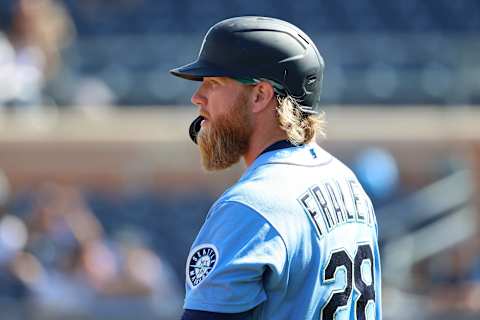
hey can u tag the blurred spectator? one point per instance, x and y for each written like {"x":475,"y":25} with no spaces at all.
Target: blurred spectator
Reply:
{"x":137,"y":276}
{"x":31,"y":56}
{"x":453,"y":281}
{"x":74,"y":268}
{"x":41,"y":29}
{"x":13,"y":238}
{"x":20,"y":79}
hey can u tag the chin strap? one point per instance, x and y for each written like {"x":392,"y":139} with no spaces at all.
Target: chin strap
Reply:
{"x":195,"y":128}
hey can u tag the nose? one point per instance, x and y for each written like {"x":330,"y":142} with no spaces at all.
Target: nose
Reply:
{"x":198,"y":98}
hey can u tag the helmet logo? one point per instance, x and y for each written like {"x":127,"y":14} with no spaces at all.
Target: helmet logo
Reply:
{"x":310,"y":83}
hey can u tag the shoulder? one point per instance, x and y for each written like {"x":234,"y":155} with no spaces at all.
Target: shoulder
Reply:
{"x":255,"y":188}
{"x":233,"y":217}
{"x":236,"y":215}
{"x":266,"y":201}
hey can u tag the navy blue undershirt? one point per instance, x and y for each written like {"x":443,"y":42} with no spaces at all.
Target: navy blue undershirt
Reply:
{"x":282,"y":144}
{"x":205,"y":315}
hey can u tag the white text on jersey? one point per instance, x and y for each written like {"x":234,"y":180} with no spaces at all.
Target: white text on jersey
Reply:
{"x":332,"y":203}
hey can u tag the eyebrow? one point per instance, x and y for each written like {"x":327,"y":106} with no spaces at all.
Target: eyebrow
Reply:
{"x":221,"y":80}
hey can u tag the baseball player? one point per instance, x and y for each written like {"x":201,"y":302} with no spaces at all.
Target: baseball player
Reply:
{"x":296,"y":237}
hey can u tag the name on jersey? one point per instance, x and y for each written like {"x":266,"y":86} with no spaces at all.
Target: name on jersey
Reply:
{"x":332,"y":204}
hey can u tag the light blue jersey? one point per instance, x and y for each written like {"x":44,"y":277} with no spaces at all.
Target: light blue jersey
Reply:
{"x":294,"y":238}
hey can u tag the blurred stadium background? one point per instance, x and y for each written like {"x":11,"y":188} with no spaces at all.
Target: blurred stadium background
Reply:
{"x":101,"y":191}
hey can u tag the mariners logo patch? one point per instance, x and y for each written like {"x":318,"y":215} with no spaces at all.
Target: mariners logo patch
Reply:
{"x":201,"y":262}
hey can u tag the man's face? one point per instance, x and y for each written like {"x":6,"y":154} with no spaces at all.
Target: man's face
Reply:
{"x":225,"y":133}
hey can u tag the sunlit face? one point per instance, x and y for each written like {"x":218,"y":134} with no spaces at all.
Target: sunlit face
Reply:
{"x":225,"y":133}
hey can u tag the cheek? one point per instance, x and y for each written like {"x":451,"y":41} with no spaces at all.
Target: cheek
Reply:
{"x":220,"y":103}
{"x":213,"y":118}
{"x":227,"y":106}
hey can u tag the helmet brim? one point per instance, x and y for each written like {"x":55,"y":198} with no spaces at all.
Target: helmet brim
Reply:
{"x":197,"y":70}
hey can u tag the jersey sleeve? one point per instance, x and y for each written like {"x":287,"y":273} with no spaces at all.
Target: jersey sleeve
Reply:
{"x":233,"y":253}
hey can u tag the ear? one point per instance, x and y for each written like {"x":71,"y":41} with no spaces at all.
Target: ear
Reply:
{"x":261,"y":96}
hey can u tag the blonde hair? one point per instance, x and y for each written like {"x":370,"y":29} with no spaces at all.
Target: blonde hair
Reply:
{"x":300,"y":127}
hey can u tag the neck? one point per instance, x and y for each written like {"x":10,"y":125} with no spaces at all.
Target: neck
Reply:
{"x":266,"y":132}
{"x":259,"y":144}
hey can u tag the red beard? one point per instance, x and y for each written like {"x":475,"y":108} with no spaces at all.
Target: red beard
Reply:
{"x":226,"y":139}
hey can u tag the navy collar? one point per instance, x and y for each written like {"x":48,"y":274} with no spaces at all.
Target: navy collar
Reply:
{"x":282,"y":144}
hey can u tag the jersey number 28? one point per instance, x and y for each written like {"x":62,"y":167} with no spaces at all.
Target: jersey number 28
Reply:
{"x":353,"y":275}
